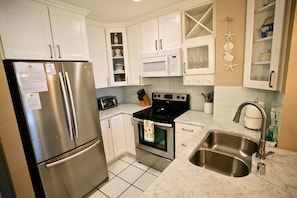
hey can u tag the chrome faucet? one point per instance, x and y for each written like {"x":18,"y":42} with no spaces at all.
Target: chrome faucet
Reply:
{"x":261,"y":151}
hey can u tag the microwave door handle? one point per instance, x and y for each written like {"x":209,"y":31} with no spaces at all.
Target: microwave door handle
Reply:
{"x":67,"y":105}
{"x":72,"y":104}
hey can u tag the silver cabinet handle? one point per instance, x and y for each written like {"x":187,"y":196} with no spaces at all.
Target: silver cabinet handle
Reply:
{"x":67,"y":106}
{"x":51,"y":50}
{"x":139,"y":78}
{"x":161,"y":44}
{"x":189,"y":130}
{"x":72,"y":104}
{"x":156,"y":44}
{"x":58,"y":46}
{"x":108,"y":123}
{"x":71,"y":156}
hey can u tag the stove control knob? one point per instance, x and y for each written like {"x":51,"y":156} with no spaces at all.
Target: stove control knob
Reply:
{"x":178,"y":97}
{"x":183,"y":97}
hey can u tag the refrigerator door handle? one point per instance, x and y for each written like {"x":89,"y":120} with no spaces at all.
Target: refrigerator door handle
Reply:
{"x":72,"y":104}
{"x":71,"y":156}
{"x":67,"y":105}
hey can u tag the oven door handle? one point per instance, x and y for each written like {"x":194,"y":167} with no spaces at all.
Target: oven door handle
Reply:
{"x":155,"y":123}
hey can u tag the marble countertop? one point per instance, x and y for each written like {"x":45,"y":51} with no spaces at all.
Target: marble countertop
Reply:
{"x":121,"y":108}
{"x":183,"y":179}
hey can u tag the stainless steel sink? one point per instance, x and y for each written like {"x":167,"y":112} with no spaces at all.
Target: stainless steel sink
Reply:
{"x":226,"y":153}
{"x":221,"y":163}
{"x":230,"y":143}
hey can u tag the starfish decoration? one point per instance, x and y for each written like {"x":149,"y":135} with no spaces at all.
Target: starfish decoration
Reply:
{"x":229,"y":35}
{"x":230,"y":66}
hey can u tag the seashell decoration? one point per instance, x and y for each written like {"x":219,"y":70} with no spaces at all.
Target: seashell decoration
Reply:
{"x":228,"y":46}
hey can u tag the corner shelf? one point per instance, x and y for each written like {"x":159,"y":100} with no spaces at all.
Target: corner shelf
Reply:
{"x":199,"y":21}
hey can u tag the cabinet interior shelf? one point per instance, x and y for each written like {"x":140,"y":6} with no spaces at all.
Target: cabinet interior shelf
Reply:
{"x":266,"y":7}
{"x":261,"y":63}
{"x":117,"y":45}
{"x":264,"y":39}
{"x":199,"y":23}
{"x":118,"y":57}
{"x":119,"y":71}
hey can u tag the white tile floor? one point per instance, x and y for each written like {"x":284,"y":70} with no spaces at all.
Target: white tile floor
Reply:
{"x":127,"y":178}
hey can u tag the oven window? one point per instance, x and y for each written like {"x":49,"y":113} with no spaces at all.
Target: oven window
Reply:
{"x":160,"y":139}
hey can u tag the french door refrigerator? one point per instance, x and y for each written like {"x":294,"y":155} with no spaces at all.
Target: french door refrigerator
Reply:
{"x":57,"y":113}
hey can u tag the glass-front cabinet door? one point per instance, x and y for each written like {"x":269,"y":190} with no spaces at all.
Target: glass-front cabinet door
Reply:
{"x":263,"y":43}
{"x":117,"y":55}
{"x":199,"y":56}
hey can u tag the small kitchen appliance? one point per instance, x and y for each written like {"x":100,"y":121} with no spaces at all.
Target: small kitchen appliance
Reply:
{"x":107,"y":102}
{"x":159,"y":151}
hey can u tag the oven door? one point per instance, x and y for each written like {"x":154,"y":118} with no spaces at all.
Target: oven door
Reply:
{"x":163,"y":144}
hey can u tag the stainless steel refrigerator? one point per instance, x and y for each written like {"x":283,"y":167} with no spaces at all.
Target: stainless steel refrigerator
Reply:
{"x":57,"y":112}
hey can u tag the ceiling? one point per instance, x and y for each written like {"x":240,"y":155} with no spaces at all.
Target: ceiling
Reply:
{"x":120,"y":11}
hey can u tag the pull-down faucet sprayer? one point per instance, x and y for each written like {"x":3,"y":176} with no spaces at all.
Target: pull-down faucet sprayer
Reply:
{"x":261,"y":151}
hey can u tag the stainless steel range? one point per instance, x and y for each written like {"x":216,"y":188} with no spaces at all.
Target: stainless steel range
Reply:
{"x":159,"y":151}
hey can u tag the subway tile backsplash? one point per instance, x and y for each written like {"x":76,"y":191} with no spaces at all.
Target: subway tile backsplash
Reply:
{"x":226,"y":99}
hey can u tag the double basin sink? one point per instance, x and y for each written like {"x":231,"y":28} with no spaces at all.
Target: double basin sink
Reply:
{"x":226,"y":153}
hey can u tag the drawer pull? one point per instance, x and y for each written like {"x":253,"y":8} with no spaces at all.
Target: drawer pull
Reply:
{"x":189,"y":130}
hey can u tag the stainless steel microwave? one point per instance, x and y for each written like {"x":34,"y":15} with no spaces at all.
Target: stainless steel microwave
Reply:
{"x":161,"y":63}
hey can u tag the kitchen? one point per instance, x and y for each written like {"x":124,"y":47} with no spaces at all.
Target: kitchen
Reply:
{"x":227,"y":84}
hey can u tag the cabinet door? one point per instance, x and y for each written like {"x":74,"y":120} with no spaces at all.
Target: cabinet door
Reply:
{"x":170,"y":31}
{"x":264,"y":27}
{"x":25,"y":30}
{"x":133,"y":36}
{"x":107,"y":139}
{"x":129,"y":134}
{"x":69,"y":34}
{"x":184,"y":135}
{"x":199,"y":56}
{"x":149,"y":35}
{"x":117,"y":56}
{"x":118,"y":134}
{"x":98,"y":55}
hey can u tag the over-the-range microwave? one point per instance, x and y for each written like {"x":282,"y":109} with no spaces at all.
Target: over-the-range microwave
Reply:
{"x":162,"y":63}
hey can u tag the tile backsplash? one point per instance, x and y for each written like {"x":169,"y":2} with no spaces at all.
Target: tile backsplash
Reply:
{"x":226,"y":99}
{"x":128,"y":94}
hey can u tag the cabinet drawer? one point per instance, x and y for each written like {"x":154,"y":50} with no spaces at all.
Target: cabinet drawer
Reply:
{"x":187,"y":128}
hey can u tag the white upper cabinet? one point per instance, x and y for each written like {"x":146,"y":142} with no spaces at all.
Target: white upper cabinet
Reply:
{"x":134,"y":54}
{"x":69,"y":34}
{"x":161,"y":33}
{"x":25,"y":30}
{"x":98,"y":54}
{"x":31,"y":30}
{"x":117,"y":52}
{"x":264,"y":27}
{"x":199,"y":56}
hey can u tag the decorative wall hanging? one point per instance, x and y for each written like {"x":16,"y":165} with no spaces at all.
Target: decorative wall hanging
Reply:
{"x":228,"y":46}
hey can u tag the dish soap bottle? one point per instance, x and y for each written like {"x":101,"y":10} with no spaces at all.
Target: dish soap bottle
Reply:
{"x":270,"y":133}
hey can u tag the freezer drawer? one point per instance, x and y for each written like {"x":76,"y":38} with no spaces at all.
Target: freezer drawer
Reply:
{"x":76,"y":174}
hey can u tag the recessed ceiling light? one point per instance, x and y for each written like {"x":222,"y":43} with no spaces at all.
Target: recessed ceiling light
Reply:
{"x":137,"y":0}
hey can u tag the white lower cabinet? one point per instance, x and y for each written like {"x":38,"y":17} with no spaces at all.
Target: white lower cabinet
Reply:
{"x":129,"y":134}
{"x":184,"y":133}
{"x":107,"y":139}
{"x":118,"y":136}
